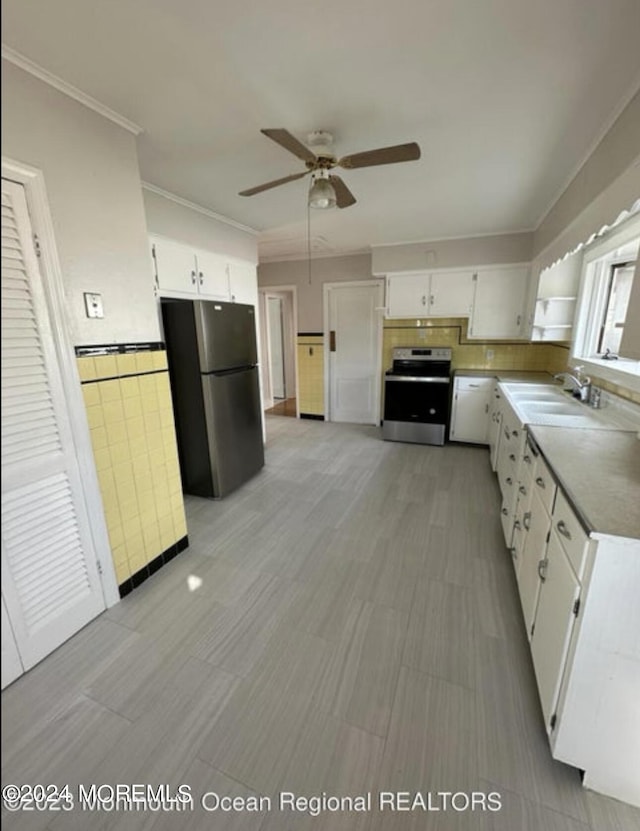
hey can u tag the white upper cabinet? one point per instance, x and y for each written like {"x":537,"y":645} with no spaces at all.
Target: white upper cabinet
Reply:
{"x":175,"y":265}
{"x":243,"y":282}
{"x":430,"y":294}
{"x":213,"y":275}
{"x":184,"y":271}
{"x":451,"y":293}
{"x":498,"y":303}
{"x":408,"y":295}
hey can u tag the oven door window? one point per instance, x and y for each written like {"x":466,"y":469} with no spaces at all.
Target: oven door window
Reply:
{"x":420,"y":401}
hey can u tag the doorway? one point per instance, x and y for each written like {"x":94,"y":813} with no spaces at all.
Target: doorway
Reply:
{"x":353,"y":334}
{"x":56,"y":573}
{"x":279,"y":371}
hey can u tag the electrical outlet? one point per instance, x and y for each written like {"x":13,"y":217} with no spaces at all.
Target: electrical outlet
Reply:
{"x":93,"y":304}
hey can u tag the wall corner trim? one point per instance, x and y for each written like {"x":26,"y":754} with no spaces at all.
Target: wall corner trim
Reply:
{"x":78,"y":95}
{"x":199,"y":208}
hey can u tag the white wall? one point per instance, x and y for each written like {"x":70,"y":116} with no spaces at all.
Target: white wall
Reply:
{"x":309,"y":282}
{"x":172,"y":219}
{"x":465,"y":251}
{"x":92,"y":179}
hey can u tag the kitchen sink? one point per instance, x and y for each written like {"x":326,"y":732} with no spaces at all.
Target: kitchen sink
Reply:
{"x":553,"y":407}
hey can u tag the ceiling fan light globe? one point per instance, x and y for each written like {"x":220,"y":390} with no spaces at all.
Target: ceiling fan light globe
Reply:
{"x":322,"y":194}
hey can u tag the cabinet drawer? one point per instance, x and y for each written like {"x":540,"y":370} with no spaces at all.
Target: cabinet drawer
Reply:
{"x":544,"y":483}
{"x":463,"y":382}
{"x":571,"y":534}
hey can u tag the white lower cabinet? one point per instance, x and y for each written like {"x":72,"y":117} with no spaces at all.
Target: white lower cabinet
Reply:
{"x":553,"y":624}
{"x":470,"y":409}
{"x":536,"y":530}
{"x":579,"y":596}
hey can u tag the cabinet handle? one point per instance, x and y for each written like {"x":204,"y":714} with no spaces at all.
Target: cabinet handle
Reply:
{"x":474,"y":385}
{"x":431,"y":300}
{"x":507,"y":432}
{"x":562,"y":528}
{"x":486,"y":408}
{"x":505,"y":512}
{"x":526,"y":459}
{"x":193,"y":278}
{"x":512,"y":456}
{"x":201,"y":276}
{"x":542,"y":570}
{"x":424,"y":300}
{"x":540,"y":482}
{"x":517,"y":525}
{"x":518,"y":320}
{"x":526,"y":521}
{"x":514,"y":432}
{"x":522,"y":490}
{"x":514,"y":552}
{"x":509,"y":480}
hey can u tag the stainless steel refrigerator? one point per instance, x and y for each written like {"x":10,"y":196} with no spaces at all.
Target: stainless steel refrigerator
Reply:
{"x":212,"y":355}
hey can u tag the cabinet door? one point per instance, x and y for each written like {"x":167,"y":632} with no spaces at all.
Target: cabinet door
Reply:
{"x":535,"y":524}
{"x":213,"y":276}
{"x":408,"y":295}
{"x":553,"y":625}
{"x":470,"y":415}
{"x":498,"y":303}
{"x":175,"y":266}
{"x":243,"y":283}
{"x":451,"y":294}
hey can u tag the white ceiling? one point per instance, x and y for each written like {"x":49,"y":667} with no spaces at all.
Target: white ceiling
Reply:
{"x":505,"y":97}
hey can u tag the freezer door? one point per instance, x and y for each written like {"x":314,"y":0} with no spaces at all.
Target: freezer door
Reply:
{"x":226,"y":335}
{"x":234,"y":428}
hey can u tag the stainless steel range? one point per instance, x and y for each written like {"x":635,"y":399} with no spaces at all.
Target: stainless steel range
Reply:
{"x":416,"y":395}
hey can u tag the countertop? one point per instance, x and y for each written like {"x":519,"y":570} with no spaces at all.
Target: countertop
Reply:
{"x":508,"y":375}
{"x":599,"y":470}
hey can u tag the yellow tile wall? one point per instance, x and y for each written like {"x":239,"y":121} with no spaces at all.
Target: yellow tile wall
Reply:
{"x":130,"y":414}
{"x":311,"y":374}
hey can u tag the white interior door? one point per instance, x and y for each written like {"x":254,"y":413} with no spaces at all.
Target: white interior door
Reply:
{"x":354,"y":327}
{"x":51,"y":584}
{"x":276,"y":346}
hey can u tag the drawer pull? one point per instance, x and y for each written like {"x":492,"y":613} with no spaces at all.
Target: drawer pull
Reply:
{"x":526,"y":521}
{"x":509,"y":480}
{"x":542,"y":569}
{"x":515,"y":432}
{"x":505,"y":512}
{"x":540,"y":482}
{"x":517,"y":525}
{"x":562,"y":528}
{"x":512,"y":456}
{"x":526,"y":459}
{"x":522,"y":490}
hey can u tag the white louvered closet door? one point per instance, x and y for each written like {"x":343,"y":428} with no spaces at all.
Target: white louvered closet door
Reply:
{"x":50,"y":580}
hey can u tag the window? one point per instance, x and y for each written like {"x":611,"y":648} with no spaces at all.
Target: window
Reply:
{"x":606,"y":306}
{"x":618,"y":290}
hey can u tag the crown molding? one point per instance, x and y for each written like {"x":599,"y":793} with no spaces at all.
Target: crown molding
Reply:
{"x":78,"y":95}
{"x":193,"y":206}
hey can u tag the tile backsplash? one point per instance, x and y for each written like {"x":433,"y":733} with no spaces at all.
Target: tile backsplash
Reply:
{"x":130,"y":413}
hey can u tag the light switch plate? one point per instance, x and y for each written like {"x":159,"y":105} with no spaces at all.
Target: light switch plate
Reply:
{"x":93,"y":304}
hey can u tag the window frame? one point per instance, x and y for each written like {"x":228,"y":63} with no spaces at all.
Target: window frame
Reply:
{"x":598,"y":258}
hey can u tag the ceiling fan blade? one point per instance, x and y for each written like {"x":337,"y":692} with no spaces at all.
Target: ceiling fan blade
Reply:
{"x":383,"y":155}
{"x":273,"y":184}
{"x":344,"y":197}
{"x":285,"y":139}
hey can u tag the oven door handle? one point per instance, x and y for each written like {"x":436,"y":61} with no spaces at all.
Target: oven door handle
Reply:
{"x":421,"y":378}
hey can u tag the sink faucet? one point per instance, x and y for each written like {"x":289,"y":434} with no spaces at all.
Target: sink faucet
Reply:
{"x":581,"y":385}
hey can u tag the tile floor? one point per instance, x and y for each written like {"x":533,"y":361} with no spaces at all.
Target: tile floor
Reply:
{"x":346,"y":623}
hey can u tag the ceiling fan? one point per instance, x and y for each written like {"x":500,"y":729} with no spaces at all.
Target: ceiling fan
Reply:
{"x":328,"y":189}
